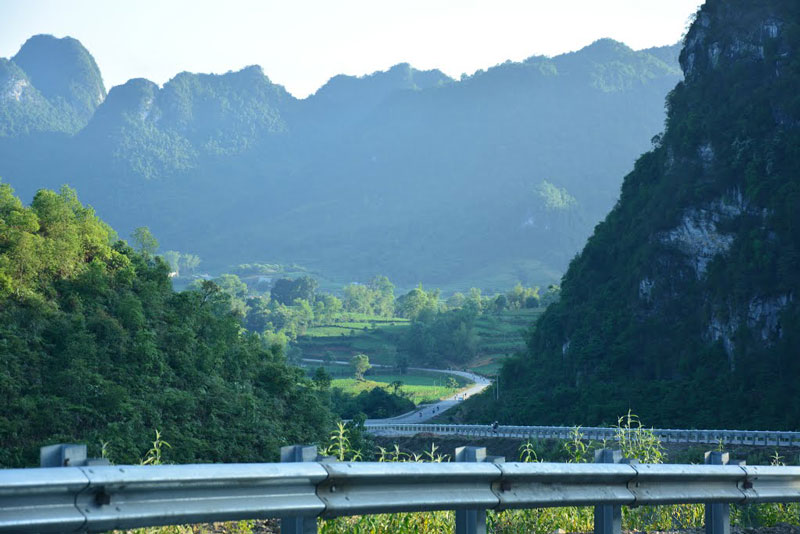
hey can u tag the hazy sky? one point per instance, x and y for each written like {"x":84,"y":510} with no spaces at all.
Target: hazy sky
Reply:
{"x":302,"y":43}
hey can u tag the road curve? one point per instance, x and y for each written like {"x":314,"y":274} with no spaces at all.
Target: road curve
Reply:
{"x":427,"y":411}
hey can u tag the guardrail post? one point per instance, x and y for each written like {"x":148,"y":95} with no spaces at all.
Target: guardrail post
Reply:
{"x":473,"y":521}
{"x":718,"y":515}
{"x":67,"y":455}
{"x":607,"y":517}
{"x":299,"y":524}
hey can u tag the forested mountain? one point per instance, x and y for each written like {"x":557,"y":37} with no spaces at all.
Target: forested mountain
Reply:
{"x":96,"y":347}
{"x":492,"y":179}
{"x":51,"y":85}
{"x":683,"y":306}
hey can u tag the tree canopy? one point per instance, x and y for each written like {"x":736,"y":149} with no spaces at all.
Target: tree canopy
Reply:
{"x":97,"y":347}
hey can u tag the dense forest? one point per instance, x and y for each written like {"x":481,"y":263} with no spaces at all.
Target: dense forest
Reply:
{"x":457,"y":183}
{"x":96,"y":347}
{"x":683,"y":304}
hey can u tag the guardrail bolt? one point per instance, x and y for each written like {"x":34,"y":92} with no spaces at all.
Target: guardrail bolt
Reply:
{"x":718,"y":515}
{"x":299,"y":524}
{"x":607,"y":517}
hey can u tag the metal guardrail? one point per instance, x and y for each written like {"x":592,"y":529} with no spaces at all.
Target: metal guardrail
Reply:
{"x":730,"y":437}
{"x":98,"y":498}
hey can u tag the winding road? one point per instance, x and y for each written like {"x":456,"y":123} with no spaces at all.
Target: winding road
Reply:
{"x":426,"y":412}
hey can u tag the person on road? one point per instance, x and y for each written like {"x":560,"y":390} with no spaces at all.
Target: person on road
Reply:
{"x":495,"y":425}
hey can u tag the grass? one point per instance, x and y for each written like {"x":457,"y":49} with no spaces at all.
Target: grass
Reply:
{"x":412,"y":378}
{"x":417,"y":378}
{"x":420,"y":388}
{"x":355,"y":323}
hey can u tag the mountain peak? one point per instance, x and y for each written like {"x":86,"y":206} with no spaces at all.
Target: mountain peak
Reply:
{"x":62,"y":69}
{"x":605,"y":49}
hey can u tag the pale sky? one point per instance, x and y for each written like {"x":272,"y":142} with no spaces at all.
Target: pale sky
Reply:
{"x":302,"y":43}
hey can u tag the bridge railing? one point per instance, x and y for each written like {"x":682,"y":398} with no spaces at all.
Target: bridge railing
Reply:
{"x":103,"y":497}
{"x":730,"y":437}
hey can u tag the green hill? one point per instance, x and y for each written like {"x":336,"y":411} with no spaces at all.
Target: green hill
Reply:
{"x":96,"y":347}
{"x":683,"y":305}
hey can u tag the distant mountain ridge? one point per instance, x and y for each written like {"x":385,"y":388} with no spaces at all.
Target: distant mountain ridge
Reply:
{"x":403,"y":172}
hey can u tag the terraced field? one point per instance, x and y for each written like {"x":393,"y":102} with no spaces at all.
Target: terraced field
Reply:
{"x":501,"y":335}
{"x":374,"y":336}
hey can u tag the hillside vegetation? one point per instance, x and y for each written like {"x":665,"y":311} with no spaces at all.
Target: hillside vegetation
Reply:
{"x":456,"y":183}
{"x":683,"y":306}
{"x":96,"y":347}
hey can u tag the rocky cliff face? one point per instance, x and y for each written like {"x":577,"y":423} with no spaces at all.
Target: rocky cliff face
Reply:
{"x":721,"y":46}
{"x":23,"y":109}
{"x":683,"y":304}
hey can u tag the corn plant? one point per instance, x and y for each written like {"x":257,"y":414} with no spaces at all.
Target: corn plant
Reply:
{"x":153,"y":456}
{"x":339,"y":445}
{"x":640,"y":443}
{"x":636,"y":441}
{"x":578,"y":451}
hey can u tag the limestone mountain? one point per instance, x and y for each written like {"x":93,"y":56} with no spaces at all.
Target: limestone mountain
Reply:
{"x":683,"y":306}
{"x":50,"y":85}
{"x":488,"y":180}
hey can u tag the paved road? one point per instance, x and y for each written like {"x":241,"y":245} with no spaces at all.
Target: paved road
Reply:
{"x":427,"y":411}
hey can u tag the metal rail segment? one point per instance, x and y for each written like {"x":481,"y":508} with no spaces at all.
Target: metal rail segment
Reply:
{"x":731,"y":437}
{"x":100,"y":498}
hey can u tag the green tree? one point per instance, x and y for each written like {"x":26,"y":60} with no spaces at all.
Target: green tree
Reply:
{"x":322,"y":378}
{"x":286,"y":290}
{"x":357,"y":298}
{"x":360,"y":363}
{"x":327,"y":307}
{"x":418,"y":303}
{"x":456,"y":300}
{"x":145,"y":241}
{"x":231,"y":285}
{"x":382,"y":296}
